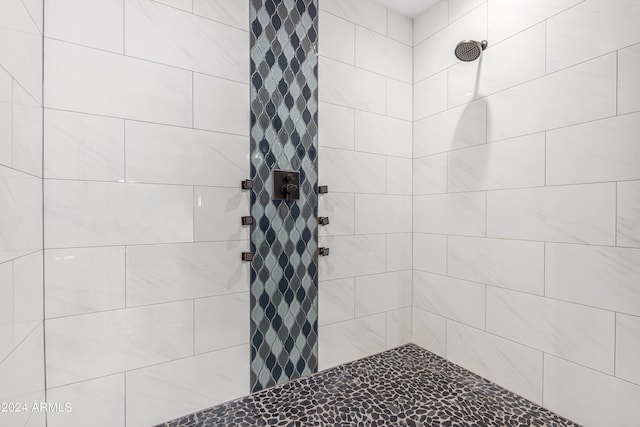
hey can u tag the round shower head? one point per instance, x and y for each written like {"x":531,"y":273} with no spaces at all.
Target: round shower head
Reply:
{"x":470,"y":50}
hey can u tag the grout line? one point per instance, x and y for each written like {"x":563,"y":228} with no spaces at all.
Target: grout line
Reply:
{"x":542,"y":391}
{"x":175,"y":67}
{"x":617,"y":79}
{"x":194,"y":327}
{"x":125,"y":399}
{"x":616,"y":217}
{"x":193,"y":99}
{"x":42,"y":199}
{"x":126,"y":304}
{"x":546,"y":44}
{"x":187,"y":128}
{"x":615,"y":341}
{"x":13,"y":104}
{"x":544,"y":269}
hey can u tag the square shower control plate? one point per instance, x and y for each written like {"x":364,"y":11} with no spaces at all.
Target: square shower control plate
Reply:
{"x":286,"y":185}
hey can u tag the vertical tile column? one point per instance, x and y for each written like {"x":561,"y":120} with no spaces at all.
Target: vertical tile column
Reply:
{"x":284,"y":279}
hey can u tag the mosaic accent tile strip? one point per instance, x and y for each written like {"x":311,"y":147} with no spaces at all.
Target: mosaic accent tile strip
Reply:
{"x":284,"y":129}
{"x":405,"y":386}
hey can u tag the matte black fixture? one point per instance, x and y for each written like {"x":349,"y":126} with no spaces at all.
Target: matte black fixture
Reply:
{"x":286,"y":185}
{"x":247,"y":184}
{"x":323,"y":220}
{"x":470,"y":50}
{"x":323,"y":189}
{"x":323,"y":251}
{"x":247,"y":220}
{"x":247,"y":256}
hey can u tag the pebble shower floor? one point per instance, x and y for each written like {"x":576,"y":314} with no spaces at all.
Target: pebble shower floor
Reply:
{"x":405,"y":386}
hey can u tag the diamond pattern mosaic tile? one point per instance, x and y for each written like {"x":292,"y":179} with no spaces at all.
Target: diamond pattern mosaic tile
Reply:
{"x":404,"y":387}
{"x":284,"y":128}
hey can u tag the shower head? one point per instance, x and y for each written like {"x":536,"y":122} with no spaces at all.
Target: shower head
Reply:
{"x":470,"y":50}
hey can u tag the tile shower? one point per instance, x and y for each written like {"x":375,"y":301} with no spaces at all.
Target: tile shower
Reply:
{"x":486,"y":211}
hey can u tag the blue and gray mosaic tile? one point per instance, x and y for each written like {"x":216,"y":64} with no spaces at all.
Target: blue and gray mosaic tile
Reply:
{"x":284,"y":128}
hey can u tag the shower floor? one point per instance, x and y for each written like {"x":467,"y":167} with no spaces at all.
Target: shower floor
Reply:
{"x":405,"y":386}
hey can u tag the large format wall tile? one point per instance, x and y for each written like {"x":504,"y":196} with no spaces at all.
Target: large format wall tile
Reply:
{"x":27,"y":132}
{"x":22,"y":371}
{"x":394,"y":218}
{"x":94,"y":345}
{"x":174,"y":155}
{"x":83,"y":146}
{"x":398,"y":328}
{"x":383,"y":55}
{"x":507,"y":164}
{"x":6,"y":119}
{"x":362,"y":12}
{"x":349,"y":171}
{"x":338,"y":38}
{"x":230,"y":12}
{"x":604,"y":150}
{"x":340,"y":208}
{"x":353,"y":256}
{"x":400,"y":28}
{"x":346,"y":341}
{"x":628,"y":348}
{"x":163,"y":34}
{"x":579,"y":94}
{"x":571,"y":214}
{"x":436,"y":53}
{"x":430,"y":253}
{"x":337,"y":127}
{"x":220,"y":105}
{"x":84,"y":280}
{"x":399,"y":176}
{"x":92,"y":81}
{"x":462,"y":213}
{"x":575,"y":332}
{"x":217,"y":213}
{"x":628,"y":79}
{"x":21,"y":214}
{"x":628,"y":213}
{"x":429,"y":331}
{"x":221,"y":322}
{"x":430,"y":22}
{"x":83,"y":397}
{"x":353,"y":87}
{"x":382,"y":292}
{"x":167,"y":391}
{"x":430,"y":96}
{"x":452,"y":298}
{"x":506,"y":263}
{"x":21,"y":56}
{"x":613,"y":22}
{"x":514,"y":61}
{"x":399,"y":248}
{"x":588,"y":397}
{"x":460,"y":127}
{"x":382,"y":135}
{"x":93,"y":23}
{"x":508,"y":17}
{"x":598,"y":276}
{"x":161,"y":273}
{"x":430,"y":174}
{"x":336,"y":301}
{"x":83,"y":213}
{"x":511,"y":365}
{"x":399,"y":99}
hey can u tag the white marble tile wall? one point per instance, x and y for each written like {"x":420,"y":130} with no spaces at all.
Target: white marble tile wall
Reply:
{"x":21,"y":264}
{"x":146,"y":142}
{"x":526,"y":210}
{"x":365,"y":157}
